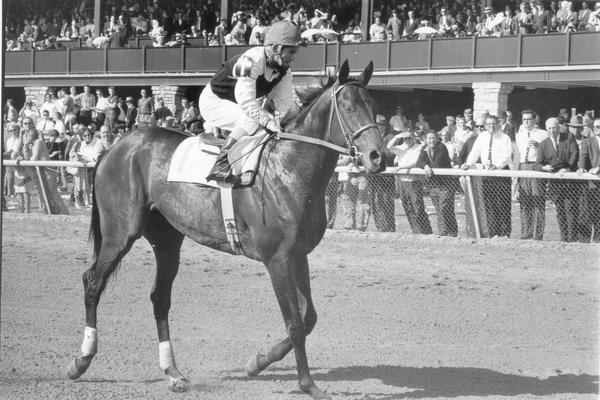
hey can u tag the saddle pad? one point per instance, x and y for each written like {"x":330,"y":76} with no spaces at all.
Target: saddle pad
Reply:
{"x":192,"y":162}
{"x":193,"y":159}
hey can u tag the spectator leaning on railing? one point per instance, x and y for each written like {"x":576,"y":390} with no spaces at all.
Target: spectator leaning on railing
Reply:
{"x":441,"y":189}
{"x":494,"y":149}
{"x":409,"y":187}
{"x":558,"y":153}
{"x":589,"y":161}
{"x":532,"y":191}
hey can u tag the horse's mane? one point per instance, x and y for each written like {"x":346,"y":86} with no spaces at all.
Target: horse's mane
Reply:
{"x":307,"y":99}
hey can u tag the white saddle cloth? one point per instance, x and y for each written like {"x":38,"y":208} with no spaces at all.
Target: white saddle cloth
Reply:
{"x":193,"y":160}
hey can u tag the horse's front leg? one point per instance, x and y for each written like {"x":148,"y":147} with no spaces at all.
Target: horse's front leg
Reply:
{"x":289,"y":276}
{"x":260,"y":362}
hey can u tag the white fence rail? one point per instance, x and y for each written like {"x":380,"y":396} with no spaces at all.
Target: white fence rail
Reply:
{"x":391,"y":202}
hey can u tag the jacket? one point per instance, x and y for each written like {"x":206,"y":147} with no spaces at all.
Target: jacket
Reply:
{"x":246,"y":79}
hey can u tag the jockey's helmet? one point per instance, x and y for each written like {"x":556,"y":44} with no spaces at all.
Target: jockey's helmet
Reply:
{"x":283,"y":33}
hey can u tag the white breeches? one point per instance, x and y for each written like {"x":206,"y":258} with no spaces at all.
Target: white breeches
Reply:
{"x":225,"y":114}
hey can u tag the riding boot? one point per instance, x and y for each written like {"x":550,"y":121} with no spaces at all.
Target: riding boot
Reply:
{"x":220,"y":171}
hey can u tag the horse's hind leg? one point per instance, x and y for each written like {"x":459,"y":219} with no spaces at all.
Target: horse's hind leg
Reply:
{"x":289,"y":276}
{"x":112,"y":250}
{"x":166,"y":242}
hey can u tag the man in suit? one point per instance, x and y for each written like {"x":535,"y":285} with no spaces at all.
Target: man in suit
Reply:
{"x":394,"y":26}
{"x":542,"y":21}
{"x":199,"y":22}
{"x":445,"y":22}
{"x":559,"y":153}
{"x":117,"y":38}
{"x":410,"y":25}
{"x":583,"y":16}
{"x":180,"y":24}
{"x":589,"y":161}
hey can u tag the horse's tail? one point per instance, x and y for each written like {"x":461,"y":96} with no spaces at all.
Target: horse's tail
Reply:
{"x":95,"y":234}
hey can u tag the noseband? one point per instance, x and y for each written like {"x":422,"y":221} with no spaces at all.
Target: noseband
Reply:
{"x":350,"y":150}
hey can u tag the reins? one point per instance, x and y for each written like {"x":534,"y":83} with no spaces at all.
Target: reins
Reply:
{"x":350,"y":150}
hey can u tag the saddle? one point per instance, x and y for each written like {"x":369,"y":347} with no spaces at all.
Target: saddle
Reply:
{"x":195,"y":156}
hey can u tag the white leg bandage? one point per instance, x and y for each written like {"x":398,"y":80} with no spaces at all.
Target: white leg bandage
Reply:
{"x":89,"y":346}
{"x":166,"y":358}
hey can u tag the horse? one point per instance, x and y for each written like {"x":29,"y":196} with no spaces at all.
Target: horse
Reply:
{"x":281,"y":217}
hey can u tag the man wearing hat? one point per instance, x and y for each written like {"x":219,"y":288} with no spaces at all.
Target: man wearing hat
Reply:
{"x":575,"y":127}
{"x":231,"y":100}
{"x":589,"y":161}
{"x":131,"y":113}
{"x":409,"y":187}
{"x":469,"y":123}
{"x":399,"y":122}
{"x":532,"y":192}
{"x":450,"y":127}
{"x":489,"y":28}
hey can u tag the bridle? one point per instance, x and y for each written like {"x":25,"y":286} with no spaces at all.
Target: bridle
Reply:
{"x":349,"y":136}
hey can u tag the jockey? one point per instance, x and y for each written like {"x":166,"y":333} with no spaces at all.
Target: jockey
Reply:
{"x":232,"y":100}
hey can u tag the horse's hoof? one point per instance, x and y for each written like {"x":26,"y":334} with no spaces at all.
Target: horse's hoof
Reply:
{"x":78,"y":366}
{"x":315,"y":392}
{"x":252,"y":368}
{"x":178,"y":385}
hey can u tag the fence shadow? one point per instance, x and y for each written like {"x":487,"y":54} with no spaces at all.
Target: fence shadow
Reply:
{"x":448,"y":381}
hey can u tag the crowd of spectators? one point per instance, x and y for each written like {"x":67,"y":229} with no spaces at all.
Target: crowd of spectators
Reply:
{"x":568,"y":142}
{"x":173,"y":23}
{"x":78,"y":126}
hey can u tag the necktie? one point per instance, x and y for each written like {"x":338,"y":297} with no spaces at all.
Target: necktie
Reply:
{"x":490,"y":150}
{"x":556,"y":144}
{"x":527,"y":150}
{"x":44,"y":127}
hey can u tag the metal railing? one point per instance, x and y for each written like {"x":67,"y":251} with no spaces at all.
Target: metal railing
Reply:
{"x":450,"y":202}
{"x":544,"y":50}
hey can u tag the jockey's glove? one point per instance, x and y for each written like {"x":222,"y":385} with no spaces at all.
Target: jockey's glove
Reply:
{"x":273,"y":126}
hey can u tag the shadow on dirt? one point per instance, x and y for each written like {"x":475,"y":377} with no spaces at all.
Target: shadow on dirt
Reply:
{"x":449,"y":382}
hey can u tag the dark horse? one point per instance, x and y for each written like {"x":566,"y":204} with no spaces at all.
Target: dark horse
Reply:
{"x":281,"y":218}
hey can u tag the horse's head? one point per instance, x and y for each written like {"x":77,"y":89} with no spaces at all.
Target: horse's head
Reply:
{"x":352,"y":118}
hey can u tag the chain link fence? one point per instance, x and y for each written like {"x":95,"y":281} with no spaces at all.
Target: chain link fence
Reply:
{"x":451,"y":202}
{"x":50,"y":187}
{"x":468,"y":204}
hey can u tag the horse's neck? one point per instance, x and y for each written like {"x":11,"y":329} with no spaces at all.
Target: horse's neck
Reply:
{"x":311,"y":164}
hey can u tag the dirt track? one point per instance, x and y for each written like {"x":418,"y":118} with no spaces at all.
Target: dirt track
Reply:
{"x":399,"y":317}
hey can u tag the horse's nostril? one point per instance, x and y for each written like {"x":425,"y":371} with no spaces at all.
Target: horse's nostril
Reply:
{"x":375,"y":157}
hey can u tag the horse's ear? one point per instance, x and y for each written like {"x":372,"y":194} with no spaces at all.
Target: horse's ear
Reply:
{"x":365,"y":77}
{"x":344,"y":72}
